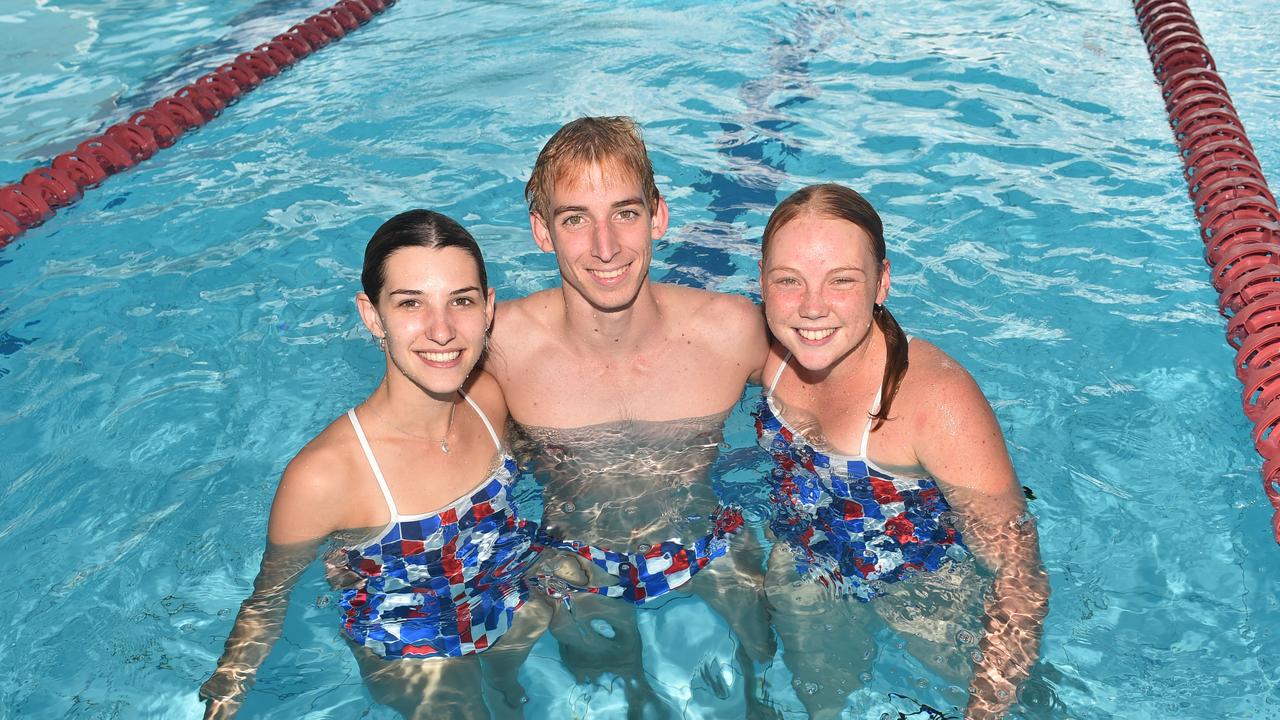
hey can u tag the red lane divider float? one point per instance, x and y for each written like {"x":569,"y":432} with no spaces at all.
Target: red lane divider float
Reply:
{"x":33,"y":200}
{"x":1239,"y":221}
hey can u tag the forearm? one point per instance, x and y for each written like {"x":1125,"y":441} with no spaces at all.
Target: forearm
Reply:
{"x":259,"y":622}
{"x":1014,"y":618}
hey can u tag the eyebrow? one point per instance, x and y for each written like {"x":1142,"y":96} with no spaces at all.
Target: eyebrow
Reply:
{"x":415,"y":293}
{"x":636,"y":200}
{"x":832,"y":271}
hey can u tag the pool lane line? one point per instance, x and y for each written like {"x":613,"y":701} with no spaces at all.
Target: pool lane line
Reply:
{"x":33,"y":200}
{"x":1239,"y":221}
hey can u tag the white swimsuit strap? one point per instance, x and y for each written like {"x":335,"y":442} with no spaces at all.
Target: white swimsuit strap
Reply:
{"x":373,"y":463}
{"x":875,"y":408}
{"x":778,"y":375}
{"x":866,"y":431}
{"x":483,"y":418}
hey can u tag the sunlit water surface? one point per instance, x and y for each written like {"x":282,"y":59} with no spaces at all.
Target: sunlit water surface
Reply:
{"x":168,"y":343}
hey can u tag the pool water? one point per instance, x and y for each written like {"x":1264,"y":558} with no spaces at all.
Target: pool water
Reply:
{"x":167,"y":344}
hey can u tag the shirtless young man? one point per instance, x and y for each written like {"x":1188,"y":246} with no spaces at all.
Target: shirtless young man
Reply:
{"x":622,"y":385}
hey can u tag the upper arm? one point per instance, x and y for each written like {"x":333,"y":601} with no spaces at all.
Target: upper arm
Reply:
{"x":958,"y":439}
{"x":308,"y":503}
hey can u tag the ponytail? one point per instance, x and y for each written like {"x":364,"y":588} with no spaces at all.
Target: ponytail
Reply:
{"x":895,"y":361}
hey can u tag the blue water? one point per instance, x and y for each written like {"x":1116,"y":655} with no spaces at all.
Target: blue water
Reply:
{"x":168,"y":343}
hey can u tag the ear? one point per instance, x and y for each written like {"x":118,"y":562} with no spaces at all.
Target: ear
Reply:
{"x":541,"y":233}
{"x":882,"y":292}
{"x":658,"y":219}
{"x":488,"y":309}
{"x":369,"y":314}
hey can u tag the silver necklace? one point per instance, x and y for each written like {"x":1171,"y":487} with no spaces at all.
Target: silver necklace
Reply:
{"x":443,"y":442}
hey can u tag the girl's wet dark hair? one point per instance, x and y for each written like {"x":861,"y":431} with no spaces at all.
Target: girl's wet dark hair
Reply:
{"x":840,"y":203}
{"x":415,"y":228}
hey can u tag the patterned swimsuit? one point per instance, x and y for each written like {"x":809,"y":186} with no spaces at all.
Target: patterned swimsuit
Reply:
{"x":446,"y":583}
{"x":848,"y":522}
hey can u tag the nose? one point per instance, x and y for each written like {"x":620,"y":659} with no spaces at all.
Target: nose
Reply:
{"x":814,"y":304}
{"x":440,"y":328}
{"x":604,"y":246}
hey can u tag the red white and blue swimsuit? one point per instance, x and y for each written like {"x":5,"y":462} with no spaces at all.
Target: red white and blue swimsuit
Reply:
{"x":446,"y":583}
{"x":849,"y":523}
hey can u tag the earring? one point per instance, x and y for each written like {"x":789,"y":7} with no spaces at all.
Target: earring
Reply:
{"x":382,"y":342}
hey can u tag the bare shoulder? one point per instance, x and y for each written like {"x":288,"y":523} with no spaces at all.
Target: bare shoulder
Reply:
{"x":936,"y":377}
{"x":536,"y":306}
{"x":308,"y":501}
{"x":484,"y":389}
{"x":723,"y":324}
{"x":520,"y":327}
{"x":954,"y":430}
{"x":720,"y":314}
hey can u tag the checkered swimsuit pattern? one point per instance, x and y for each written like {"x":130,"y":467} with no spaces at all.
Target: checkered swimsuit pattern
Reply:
{"x":848,"y":523}
{"x":445,"y":584}
{"x":647,"y":575}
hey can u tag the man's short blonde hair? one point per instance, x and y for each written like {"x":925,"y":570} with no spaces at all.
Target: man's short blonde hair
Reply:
{"x":606,"y":141}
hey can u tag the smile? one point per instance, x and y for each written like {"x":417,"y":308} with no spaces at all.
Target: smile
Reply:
{"x":815,"y":335}
{"x":440,"y":357}
{"x":608,"y":276}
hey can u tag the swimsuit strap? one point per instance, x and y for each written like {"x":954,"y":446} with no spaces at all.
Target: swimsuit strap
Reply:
{"x":778,"y":375}
{"x":875,"y":408}
{"x":866,"y":431}
{"x":373,"y":463}
{"x":483,"y":418}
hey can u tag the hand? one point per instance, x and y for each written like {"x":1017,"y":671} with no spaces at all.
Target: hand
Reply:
{"x":224,"y":692}
{"x":337,"y":572}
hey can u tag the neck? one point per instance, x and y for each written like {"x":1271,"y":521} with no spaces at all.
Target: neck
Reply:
{"x":410,"y":409}
{"x":621,"y":330}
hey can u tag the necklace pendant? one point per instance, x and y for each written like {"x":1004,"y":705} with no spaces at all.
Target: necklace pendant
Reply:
{"x":444,"y":446}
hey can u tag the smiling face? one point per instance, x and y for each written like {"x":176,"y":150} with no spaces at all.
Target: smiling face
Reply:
{"x":433,"y":313}
{"x":821,"y":281}
{"x":602,"y":231}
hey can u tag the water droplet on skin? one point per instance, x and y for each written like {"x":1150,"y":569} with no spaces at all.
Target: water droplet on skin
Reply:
{"x":644,"y":548}
{"x":812,"y":688}
{"x":568,"y":507}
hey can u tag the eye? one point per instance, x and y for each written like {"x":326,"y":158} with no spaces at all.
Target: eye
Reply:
{"x":572,"y":220}
{"x":408,"y":303}
{"x":843,"y":281}
{"x":786,"y":281}
{"x":464,"y":301}
{"x":627,"y":215}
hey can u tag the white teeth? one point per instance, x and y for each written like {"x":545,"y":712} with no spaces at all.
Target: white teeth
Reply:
{"x":815,"y":334}
{"x":442,"y":356}
{"x":610,"y":274}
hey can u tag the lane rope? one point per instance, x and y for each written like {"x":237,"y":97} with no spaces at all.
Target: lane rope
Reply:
{"x":1239,"y":221}
{"x":34,"y":199}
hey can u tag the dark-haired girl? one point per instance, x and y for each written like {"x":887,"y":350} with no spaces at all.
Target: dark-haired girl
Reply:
{"x":889,"y":466}
{"x":414,"y":487}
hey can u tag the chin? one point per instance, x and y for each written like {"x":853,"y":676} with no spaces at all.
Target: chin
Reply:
{"x":812,"y":360}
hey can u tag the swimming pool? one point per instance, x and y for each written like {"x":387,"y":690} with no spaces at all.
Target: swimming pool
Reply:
{"x":169,"y":342}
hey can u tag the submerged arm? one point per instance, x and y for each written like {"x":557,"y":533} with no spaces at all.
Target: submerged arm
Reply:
{"x":963,"y":448}
{"x":257,"y":627}
{"x":306,"y":510}
{"x":1006,"y":542}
